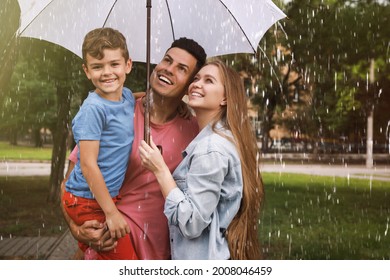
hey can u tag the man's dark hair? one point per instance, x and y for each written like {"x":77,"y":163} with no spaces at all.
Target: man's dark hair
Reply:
{"x":193,"y":48}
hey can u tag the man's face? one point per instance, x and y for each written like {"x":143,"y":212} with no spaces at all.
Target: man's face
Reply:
{"x":173,"y":74}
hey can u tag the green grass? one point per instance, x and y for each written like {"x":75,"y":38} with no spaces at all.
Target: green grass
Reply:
{"x":24,"y":210}
{"x":321,"y":218}
{"x":9,"y":152}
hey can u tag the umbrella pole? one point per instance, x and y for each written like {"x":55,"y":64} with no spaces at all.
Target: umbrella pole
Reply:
{"x":147,"y":97}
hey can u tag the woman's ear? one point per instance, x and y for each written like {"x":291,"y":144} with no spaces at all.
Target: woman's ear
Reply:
{"x":223,"y":102}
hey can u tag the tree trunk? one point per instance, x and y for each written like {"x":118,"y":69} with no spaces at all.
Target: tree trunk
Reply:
{"x":13,"y":138}
{"x":266,"y":127}
{"x":38,"y":141}
{"x":59,"y":143}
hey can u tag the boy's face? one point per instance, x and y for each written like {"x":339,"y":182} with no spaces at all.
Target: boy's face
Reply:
{"x":108,"y":74}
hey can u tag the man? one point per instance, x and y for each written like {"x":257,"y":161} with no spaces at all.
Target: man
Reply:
{"x":141,"y":200}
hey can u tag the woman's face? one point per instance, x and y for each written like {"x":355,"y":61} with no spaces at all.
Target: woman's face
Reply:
{"x":207,"y":91}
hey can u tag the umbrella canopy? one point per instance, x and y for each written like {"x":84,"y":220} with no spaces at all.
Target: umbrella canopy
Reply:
{"x":220,"y":26}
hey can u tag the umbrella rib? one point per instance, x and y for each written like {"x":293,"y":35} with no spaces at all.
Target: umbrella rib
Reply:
{"x":170,"y":20}
{"x":239,"y":25}
{"x":31,"y":21}
{"x":109,"y":13}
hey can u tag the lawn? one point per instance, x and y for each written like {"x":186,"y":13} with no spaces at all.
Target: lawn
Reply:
{"x":314,"y":217}
{"x":24,"y":210}
{"x":304,"y":217}
{"x":23,"y":152}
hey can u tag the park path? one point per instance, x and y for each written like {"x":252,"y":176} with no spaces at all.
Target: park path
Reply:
{"x":378,"y":172}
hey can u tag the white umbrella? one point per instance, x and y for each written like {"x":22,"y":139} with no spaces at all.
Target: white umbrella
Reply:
{"x":220,"y":26}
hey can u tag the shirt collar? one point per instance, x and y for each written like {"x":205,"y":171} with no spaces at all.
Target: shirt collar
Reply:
{"x":205,"y":132}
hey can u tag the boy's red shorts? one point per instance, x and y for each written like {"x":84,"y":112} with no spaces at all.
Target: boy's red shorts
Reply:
{"x":82,"y":209}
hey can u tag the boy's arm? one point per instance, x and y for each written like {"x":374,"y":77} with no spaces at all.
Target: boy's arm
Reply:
{"x":89,"y":151}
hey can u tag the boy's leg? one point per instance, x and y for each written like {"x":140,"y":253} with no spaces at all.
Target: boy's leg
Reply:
{"x":80,"y":210}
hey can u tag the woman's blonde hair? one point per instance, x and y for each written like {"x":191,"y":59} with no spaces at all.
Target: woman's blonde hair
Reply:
{"x":242,"y":233}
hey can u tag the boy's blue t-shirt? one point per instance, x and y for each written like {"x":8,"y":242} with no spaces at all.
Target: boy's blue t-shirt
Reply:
{"x":111,"y":123}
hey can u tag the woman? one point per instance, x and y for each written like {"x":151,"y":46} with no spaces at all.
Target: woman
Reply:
{"x":213,"y":198}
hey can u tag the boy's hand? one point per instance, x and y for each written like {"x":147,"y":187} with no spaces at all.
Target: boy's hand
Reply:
{"x":117,"y":225}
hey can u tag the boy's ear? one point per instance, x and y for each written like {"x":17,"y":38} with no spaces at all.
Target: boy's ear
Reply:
{"x":85,"y":68}
{"x":129,"y":66}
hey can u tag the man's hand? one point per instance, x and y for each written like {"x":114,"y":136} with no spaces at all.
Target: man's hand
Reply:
{"x":107,"y":243}
{"x":94,"y":234}
{"x":89,"y":233}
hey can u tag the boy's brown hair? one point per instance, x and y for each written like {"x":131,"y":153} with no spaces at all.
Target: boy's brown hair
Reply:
{"x":99,"y":39}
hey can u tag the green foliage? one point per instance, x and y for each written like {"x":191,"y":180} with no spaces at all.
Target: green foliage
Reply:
{"x":31,"y":99}
{"x":9,"y":22}
{"x":333,"y":42}
{"x":30,"y":103}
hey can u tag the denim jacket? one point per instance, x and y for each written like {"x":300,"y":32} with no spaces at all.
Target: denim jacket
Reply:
{"x":209,"y":181}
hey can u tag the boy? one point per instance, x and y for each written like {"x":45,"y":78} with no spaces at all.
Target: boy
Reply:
{"x":103,"y":130}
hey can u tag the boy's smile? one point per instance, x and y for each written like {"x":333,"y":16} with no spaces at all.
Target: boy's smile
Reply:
{"x":108,"y":74}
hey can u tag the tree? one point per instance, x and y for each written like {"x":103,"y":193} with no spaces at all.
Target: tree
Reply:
{"x":333,"y":43}
{"x":29,"y":103}
{"x":270,"y":78}
{"x":64,"y":68}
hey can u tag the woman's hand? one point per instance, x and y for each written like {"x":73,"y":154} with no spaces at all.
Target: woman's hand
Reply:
{"x":151,"y":157}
